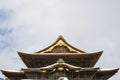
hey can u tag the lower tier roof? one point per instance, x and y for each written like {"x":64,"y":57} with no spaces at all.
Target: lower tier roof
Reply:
{"x":105,"y":74}
{"x":14,"y":74}
{"x":100,"y":74}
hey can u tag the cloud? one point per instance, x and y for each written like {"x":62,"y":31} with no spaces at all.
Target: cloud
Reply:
{"x":28,"y":26}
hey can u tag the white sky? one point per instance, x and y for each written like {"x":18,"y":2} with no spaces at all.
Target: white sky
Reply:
{"x":31,"y":25}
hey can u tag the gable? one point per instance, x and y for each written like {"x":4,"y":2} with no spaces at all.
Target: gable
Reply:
{"x":60,"y":46}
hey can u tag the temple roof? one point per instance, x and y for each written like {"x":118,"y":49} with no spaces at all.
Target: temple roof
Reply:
{"x":70,"y":59}
{"x":14,"y":74}
{"x":77,"y":59}
{"x":60,"y":49}
{"x":60,"y":46}
{"x":105,"y":74}
{"x":100,"y":74}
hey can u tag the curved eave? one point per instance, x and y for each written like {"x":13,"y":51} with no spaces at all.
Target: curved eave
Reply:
{"x":70,"y":58}
{"x":70,"y":68}
{"x":64,"y":65}
{"x":14,"y":74}
{"x":105,"y":74}
{"x":47,"y":69}
{"x":22,"y":54}
{"x":61,"y":38}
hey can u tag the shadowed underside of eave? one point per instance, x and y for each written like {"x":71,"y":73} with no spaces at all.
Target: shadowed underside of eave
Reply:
{"x":76,"y":59}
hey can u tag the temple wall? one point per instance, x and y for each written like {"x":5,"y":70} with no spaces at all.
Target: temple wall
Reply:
{"x":57,"y":74}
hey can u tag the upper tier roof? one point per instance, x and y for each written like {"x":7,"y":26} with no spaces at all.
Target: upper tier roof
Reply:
{"x":60,"y":49}
{"x":60,"y":46}
{"x":76,"y":59}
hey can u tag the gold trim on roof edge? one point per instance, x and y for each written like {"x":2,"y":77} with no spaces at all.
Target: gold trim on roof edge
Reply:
{"x":60,"y":43}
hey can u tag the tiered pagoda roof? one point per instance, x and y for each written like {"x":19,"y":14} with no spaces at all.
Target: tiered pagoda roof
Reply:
{"x":69,"y":60}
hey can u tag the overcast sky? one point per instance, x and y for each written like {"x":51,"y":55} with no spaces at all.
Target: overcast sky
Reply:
{"x":31,"y":25}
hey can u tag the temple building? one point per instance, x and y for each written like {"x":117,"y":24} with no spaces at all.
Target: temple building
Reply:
{"x":60,"y":61}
